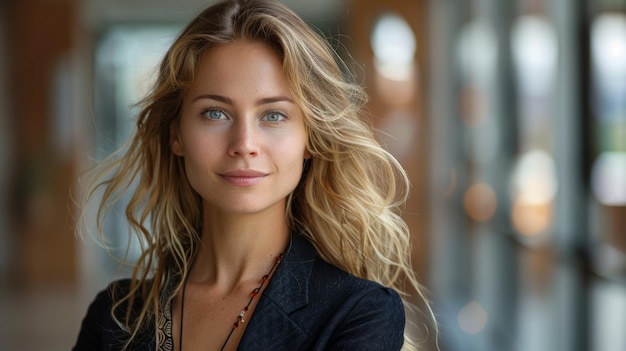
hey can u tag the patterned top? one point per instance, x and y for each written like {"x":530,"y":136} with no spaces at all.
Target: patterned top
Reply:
{"x":164,"y":330}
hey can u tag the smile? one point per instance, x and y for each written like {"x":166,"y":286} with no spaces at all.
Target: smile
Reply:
{"x":243,"y":178}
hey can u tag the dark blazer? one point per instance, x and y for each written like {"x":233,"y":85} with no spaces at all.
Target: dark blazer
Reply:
{"x":309,"y":304}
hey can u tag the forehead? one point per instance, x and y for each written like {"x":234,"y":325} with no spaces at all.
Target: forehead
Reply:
{"x":240,"y":61}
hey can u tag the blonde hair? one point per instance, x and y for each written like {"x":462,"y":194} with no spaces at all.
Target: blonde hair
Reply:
{"x":347,"y":203}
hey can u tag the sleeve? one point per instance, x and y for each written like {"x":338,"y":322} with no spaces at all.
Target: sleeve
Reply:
{"x":376,"y":322}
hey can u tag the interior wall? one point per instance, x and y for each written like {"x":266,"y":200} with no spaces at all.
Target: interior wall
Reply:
{"x":40,"y":176}
{"x":5,"y":148}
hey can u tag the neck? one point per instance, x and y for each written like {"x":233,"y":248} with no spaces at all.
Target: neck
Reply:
{"x":237,"y":249}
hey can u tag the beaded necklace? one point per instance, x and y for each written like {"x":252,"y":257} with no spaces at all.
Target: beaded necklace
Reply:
{"x":240,"y":316}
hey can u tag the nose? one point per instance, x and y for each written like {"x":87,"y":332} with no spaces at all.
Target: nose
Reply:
{"x":244,"y":139}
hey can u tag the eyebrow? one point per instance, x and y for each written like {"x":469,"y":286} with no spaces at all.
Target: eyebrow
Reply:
{"x":226,"y":100}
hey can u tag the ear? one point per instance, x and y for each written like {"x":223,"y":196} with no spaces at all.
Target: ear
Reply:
{"x":176,"y":143}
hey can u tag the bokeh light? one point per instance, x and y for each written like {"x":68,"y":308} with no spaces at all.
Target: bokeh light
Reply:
{"x":531,"y":219}
{"x":480,"y":202}
{"x":534,"y":178}
{"x":472,"y":318}
{"x":394,"y":47}
{"x":534,"y":187}
{"x":608,"y":178}
{"x":608,"y":40}
{"x":535,"y":51}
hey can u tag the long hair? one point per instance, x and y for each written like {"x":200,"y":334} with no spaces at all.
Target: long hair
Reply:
{"x":347,"y":203}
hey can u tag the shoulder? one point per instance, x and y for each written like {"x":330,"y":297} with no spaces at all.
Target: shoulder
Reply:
{"x":99,"y":330}
{"x":339,"y":310}
{"x":328,"y":282}
{"x":353,"y":301}
{"x":103,"y":303}
{"x":105,"y":299}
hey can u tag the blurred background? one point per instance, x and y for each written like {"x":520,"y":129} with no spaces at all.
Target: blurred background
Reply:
{"x":509,"y":116}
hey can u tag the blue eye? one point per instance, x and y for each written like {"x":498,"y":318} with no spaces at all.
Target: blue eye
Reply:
{"x":214,"y":114}
{"x":274,"y":117}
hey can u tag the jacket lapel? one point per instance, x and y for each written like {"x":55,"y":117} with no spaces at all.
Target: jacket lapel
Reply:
{"x":271,"y":327}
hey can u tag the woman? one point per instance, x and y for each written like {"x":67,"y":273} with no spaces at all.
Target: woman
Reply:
{"x":273,"y":212}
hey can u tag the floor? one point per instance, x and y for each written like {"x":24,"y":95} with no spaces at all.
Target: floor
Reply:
{"x":40,"y":320}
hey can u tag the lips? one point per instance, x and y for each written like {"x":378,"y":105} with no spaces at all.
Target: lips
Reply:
{"x":243,"y":177}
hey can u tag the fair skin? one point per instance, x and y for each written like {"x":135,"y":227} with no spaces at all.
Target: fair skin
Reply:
{"x":243,"y":140}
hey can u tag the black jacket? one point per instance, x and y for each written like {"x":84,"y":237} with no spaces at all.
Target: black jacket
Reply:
{"x":309,"y":304}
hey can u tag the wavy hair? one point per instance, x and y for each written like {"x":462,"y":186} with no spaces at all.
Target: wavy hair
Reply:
{"x":348,"y":202}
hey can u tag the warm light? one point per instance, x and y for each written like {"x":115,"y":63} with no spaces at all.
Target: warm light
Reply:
{"x":608,"y":178}
{"x":472,"y":318}
{"x":534,"y":187}
{"x":396,"y":93}
{"x":480,"y":202}
{"x":531,"y":219}
{"x":394,"y":46}
{"x":534,"y":178}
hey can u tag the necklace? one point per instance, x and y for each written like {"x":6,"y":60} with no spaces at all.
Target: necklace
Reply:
{"x":240,"y":317}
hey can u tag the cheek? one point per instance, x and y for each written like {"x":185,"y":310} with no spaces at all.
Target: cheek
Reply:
{"x":199,"y":142}
{"x":199,"y":158}
{"x":293,"y":156}
{"x":291,"y":146}
{"x":198,"y":172}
